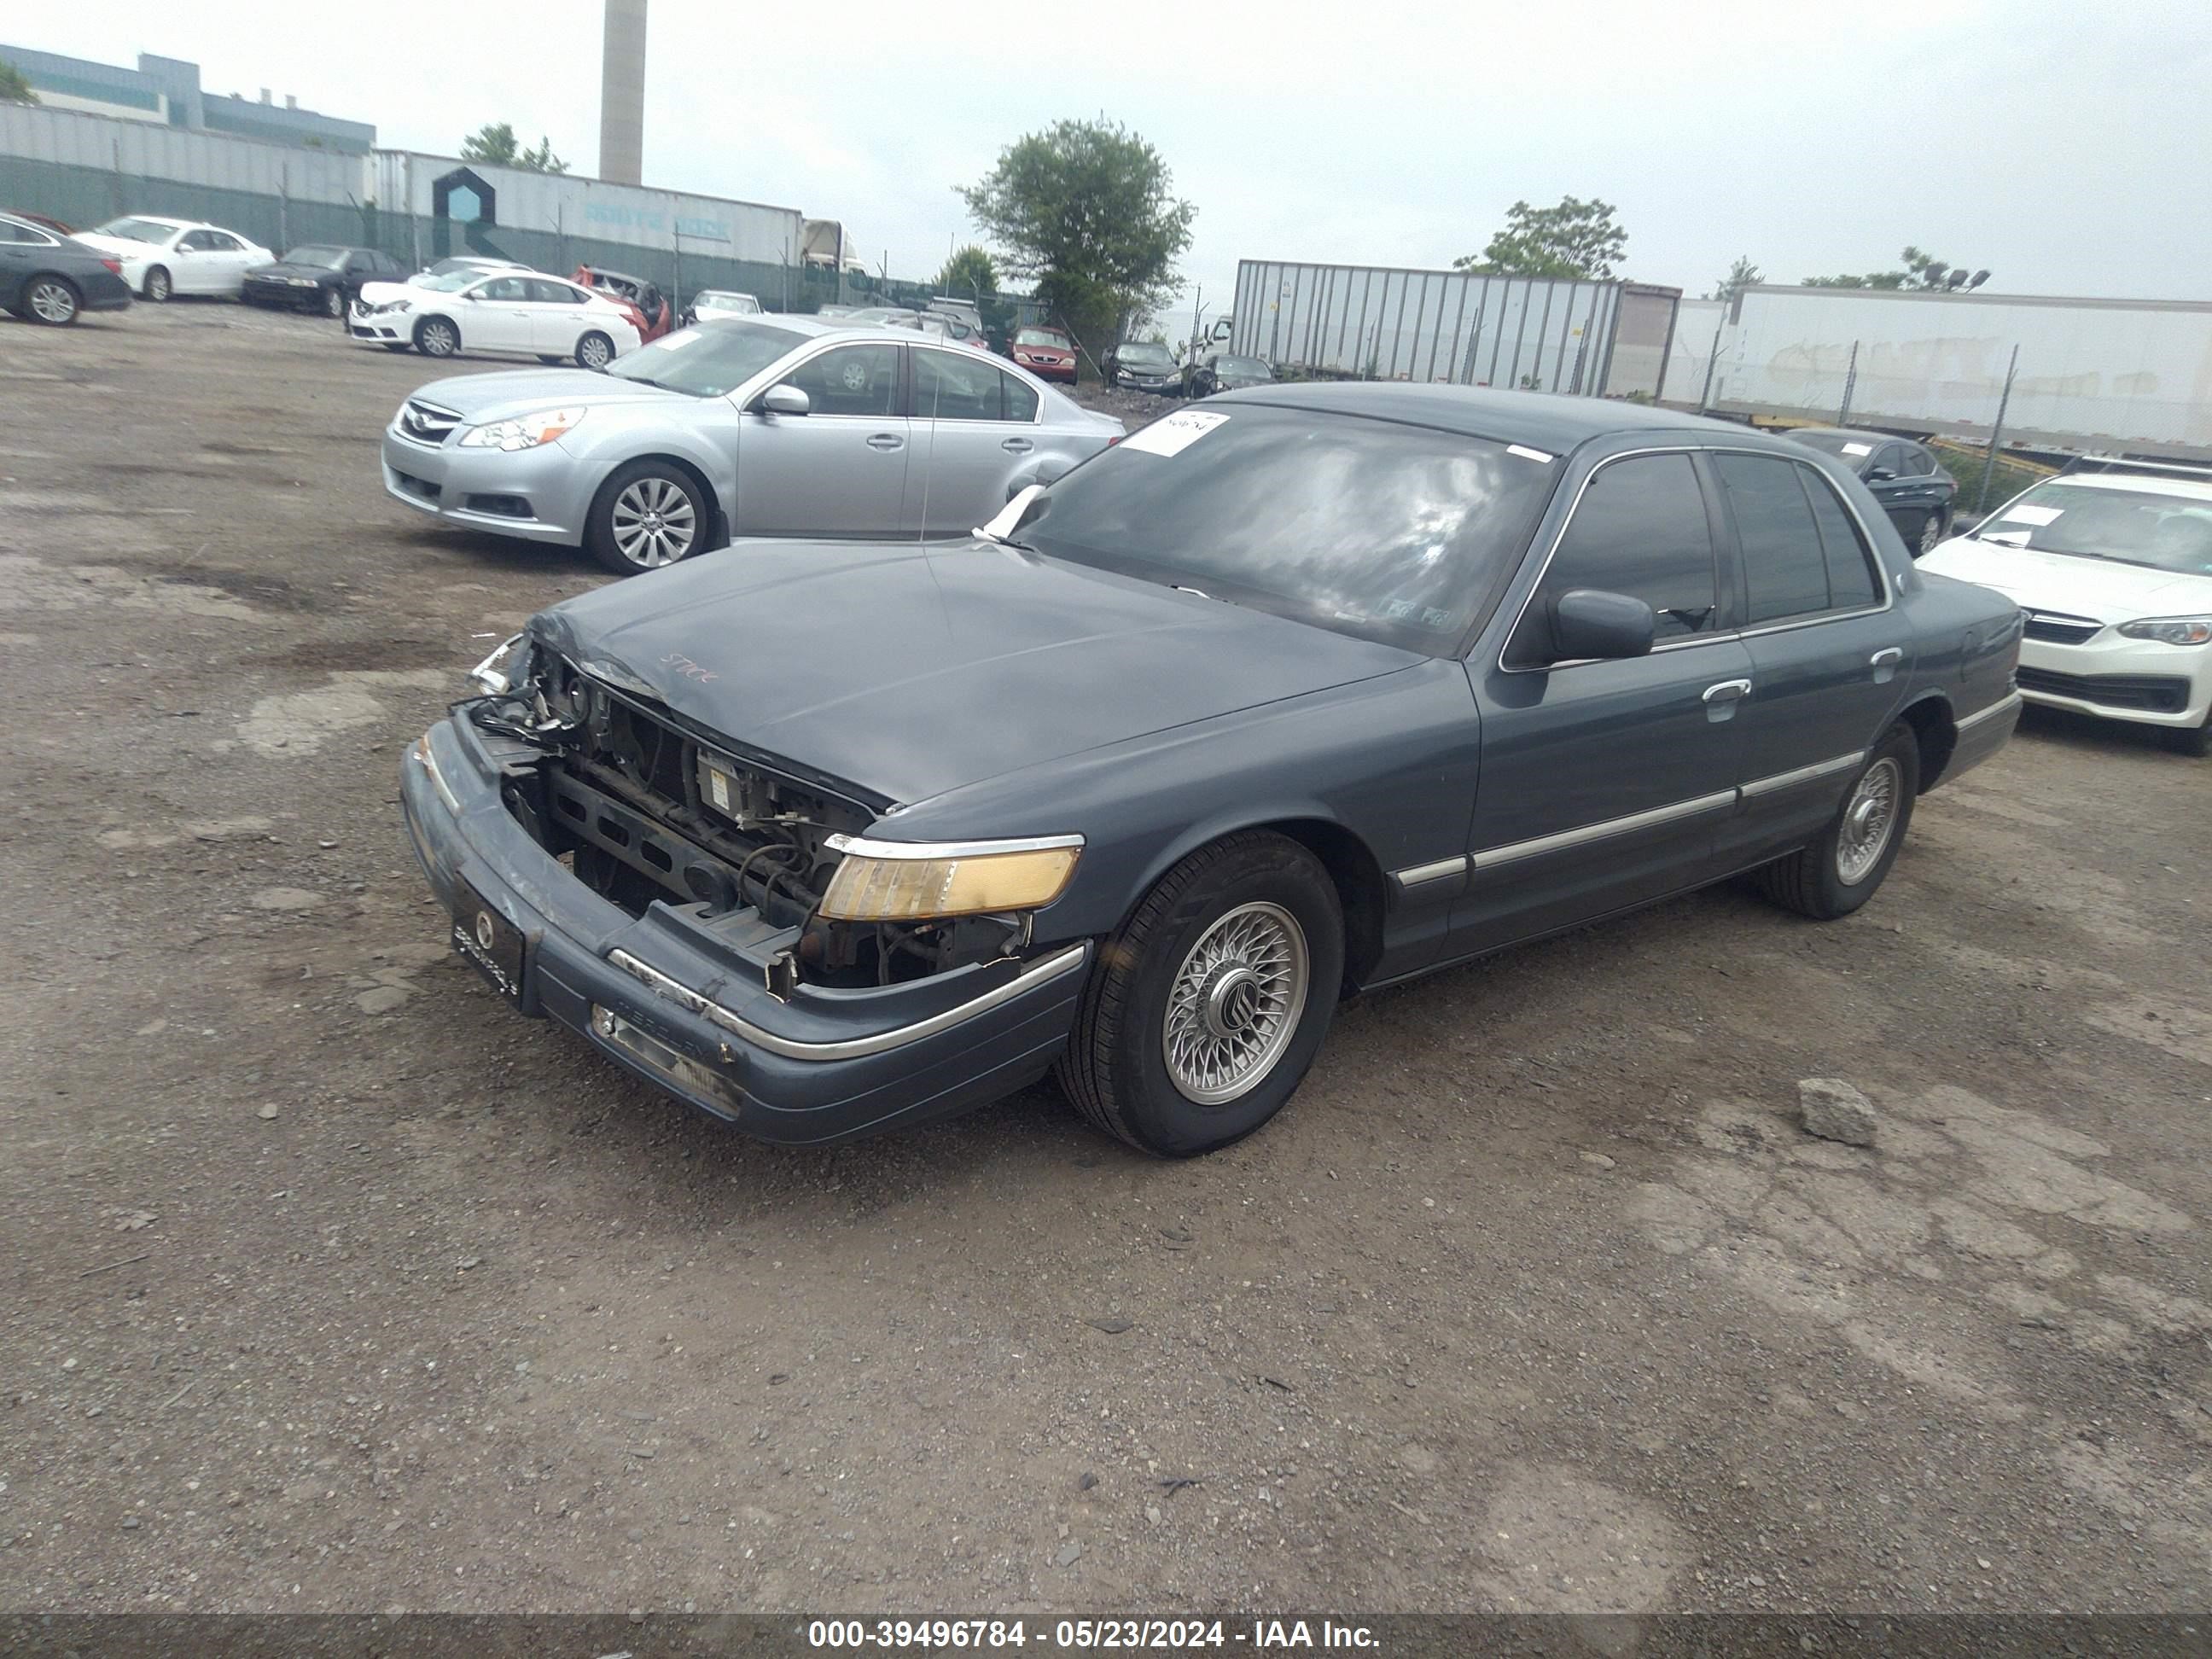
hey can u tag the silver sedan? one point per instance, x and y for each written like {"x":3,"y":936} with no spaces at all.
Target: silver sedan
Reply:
{"x":772,"y":427}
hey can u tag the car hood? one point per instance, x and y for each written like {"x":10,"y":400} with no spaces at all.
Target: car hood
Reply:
{"x":480,"y":398}
{"x":292,"y":267}
{"x":907,"y":671}
{"x":2102,"y":588}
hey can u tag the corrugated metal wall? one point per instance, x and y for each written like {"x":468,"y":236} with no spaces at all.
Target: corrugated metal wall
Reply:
{"x":1374,"y":322}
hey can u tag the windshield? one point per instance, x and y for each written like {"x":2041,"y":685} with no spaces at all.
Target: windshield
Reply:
{"x":709,"y":361}
{"x":2131,"y":526}
{"x":1143,"y":351}
{"x":1251,"y":367}
{"x":1040,"y":337}
{"x":1389,"y":532}
{"x":137,"y":230}
{"x":330,"y":258}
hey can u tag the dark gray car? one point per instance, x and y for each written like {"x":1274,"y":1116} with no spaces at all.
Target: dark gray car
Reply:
{"x":46,"y":277}
{"x":1905,"y":477}
{"x":1306,"y":691}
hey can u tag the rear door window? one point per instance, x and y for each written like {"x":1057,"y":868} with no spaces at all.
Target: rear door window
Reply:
{"x":947,"y":387}
{"x":546,"y":293}
{"x":1785,"y":571}
{"x":1640,"y":528}
{"x":1851,"y":583}
{"x":1021,"y":398}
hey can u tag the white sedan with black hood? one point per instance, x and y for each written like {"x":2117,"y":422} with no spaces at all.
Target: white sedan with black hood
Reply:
{"x":781,"y":426}
{"x":512,"y":313}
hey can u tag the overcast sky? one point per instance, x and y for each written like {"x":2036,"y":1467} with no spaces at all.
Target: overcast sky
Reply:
{"x":2063,"y":146}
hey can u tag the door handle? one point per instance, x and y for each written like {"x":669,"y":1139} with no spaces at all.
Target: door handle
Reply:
{"x":1728,"y":691}
{"x":885,"y":441}
{"x":1888,"y":658}
{"x":1018,"y":446}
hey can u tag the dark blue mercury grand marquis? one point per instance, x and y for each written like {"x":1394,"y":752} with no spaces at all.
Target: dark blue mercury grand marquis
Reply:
{"x":1311,"y":689}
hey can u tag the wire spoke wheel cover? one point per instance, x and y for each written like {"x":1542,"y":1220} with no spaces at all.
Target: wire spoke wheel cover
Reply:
{"x":1869,"y":817}
{"x":1235,"y":1004}
{"x":53,"y":302}
{"x":653,"y":523}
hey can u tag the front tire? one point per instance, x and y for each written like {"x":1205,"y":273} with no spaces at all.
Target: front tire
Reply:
{"x":1208,"y":1005}
{"x":53,"y":301}
{"x":436,"y":338}
{"x":594,"y":351}
{"x":1840,"y":872}
{"x":648,"y":515}
{"x":157,"y":286}
{"x":334,"y":303}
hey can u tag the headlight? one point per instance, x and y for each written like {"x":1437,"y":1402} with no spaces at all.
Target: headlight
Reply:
{"x":502,"y":671}
{"x":917,"y":881}
{"x":523,"y":431}
{"x":2171,"y":630}
{"x":300,"y":281}
{"x":389,"y":304}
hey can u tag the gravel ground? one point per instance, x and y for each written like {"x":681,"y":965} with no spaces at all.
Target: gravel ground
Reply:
{"x":330,"y":1285}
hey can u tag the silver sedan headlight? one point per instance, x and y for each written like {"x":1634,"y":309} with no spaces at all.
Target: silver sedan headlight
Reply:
{"x":527,"y":431}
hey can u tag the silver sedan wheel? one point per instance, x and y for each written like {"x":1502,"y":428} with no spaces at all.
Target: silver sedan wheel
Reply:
{"x":595,"y":351}
{"x":53,"y":302}
{"x":1869,"y":820}
{"x":1236,"y":1003}
{"x":653,"y":523}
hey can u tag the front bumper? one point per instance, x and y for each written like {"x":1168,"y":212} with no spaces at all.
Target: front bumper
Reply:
{"x":2120,"y":680}
{"x":534,"y":493}
{"x":282,"y":295}
{"x":1048,"y":371}
{"x":824,"y":1066}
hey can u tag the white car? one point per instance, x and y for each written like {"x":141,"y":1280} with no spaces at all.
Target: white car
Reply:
{"x":2114,"y":572}
{"x":712,"y":302}
{"x":525,"y":313}
{"x":161,"y":256}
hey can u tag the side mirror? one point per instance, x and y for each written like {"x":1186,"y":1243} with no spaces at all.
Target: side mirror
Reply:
{"x":785,"y":399}
{"x":1878,"y":475}
{"x":1589,"y":623}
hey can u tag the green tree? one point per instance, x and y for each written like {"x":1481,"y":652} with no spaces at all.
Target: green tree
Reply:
{"x":1923,"y":273}
{"x":1576,"y":238}
{"x":496,"y":145}
{"x":1741,"y":276}
{"x":968,"y":271}
{"x":1085,"y":210}
{"x":14,"y":88}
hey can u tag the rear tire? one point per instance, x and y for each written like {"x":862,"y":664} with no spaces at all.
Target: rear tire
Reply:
{"x":1933,"y":529}
{"x":594,"y":351}
{"x":1841,"y":871}
{"x":1206,"y":1006}
{"x":648,"y":515}
{"x":53,"y":301}
{"x":157,"y":286}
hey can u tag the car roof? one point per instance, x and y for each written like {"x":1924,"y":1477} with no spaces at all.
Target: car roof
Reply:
{"x":1545,"y":420}
{"x":2147,"y":483}
{"x":1860,"y":432}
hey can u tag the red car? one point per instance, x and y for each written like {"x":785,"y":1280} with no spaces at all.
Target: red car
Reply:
{"x":1046,"y":353}
{"x":649,"y":310}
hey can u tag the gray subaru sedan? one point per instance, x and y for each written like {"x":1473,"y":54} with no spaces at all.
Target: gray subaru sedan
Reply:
{"x":1312,"y":688}
{"x":774,"y":426}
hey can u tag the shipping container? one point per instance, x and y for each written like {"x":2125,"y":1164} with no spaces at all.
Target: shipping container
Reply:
{"x":1542,"y":334}
{"x":2133,"y":376}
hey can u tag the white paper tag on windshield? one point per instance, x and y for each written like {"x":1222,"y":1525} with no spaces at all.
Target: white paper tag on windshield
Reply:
{"x":1173,"y":434}
{"x":2030,"y":515}
{"x":1859,"y":449}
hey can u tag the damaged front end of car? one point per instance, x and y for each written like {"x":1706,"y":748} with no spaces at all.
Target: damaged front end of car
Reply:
{"x":766,"y":861}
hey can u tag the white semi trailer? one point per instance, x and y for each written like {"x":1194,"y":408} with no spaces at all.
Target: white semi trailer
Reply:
{"x":2127,"y":375}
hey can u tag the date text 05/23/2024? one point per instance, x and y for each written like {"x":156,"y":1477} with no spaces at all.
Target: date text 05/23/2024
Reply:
{"x":1159,"y":1635}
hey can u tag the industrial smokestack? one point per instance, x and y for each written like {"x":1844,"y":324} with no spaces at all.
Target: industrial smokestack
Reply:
{"x":621,"y":94}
